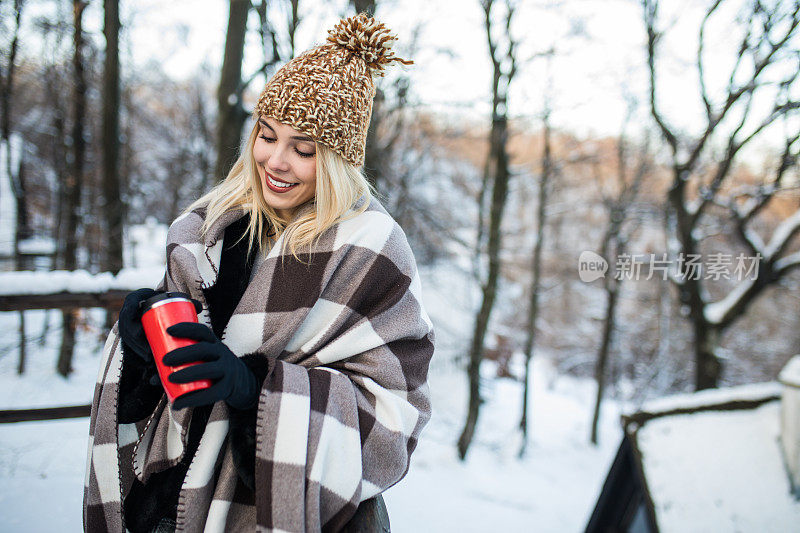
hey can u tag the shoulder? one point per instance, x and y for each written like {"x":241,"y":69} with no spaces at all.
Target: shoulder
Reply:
{"x":187,"y":227}
{"x":376,"y":229}
{"x":191,"y":226}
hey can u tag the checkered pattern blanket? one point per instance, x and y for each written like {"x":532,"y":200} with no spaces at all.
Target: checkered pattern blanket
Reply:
{"x":340,"y":412}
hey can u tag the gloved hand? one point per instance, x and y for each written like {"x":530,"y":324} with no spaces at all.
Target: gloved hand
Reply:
{"x":130,"y":324}
{"x":233,"y":382}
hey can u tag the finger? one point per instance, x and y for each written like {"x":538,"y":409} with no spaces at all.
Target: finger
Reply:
{"x":196,"y":372}
{"x":192,"y":330}
{"x":190,"y":354}
{"x":154,"y":380}
{"x":198,"y":307}
{"x":196,"y":398}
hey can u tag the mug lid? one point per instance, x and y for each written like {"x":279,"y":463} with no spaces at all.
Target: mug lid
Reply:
{"x":145,"y":305}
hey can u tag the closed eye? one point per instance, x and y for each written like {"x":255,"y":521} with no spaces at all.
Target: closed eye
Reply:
{"x":300,"y":153}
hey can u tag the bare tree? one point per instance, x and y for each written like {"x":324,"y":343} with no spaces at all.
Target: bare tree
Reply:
{"x":113,"y":206}
{"x":498,"y":174}
{"x":548,"y":171}
{"x":231,"y":116}
{"x":375,"y":155}
{"x":15,"y":173}
{"x":16,"y":176}
{"x":74,"y":181}
{"x":630,"y":175}
{"x":7,"y":75}
{"x":766,"y":60}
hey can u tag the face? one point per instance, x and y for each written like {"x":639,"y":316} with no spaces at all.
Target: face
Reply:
{"x":287,"y":165}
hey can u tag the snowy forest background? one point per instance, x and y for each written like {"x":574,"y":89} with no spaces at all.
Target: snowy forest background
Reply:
{"x":525,"y":134}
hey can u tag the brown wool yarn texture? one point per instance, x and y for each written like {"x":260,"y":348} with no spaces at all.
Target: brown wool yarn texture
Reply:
{"x":327,"y":91}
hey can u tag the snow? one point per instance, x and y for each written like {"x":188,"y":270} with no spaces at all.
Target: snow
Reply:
{"x":716,"y":311}
{"x":781,"y":235}
{"x":144,"y":244}
{"x":78,"y":281}
{"x":555,"y":486}
{"x":709,"y":397}
{"x":42,"y":468}
{"x":41,"y":386}
{"x":37,"y":245}
{"x":732,"y":463}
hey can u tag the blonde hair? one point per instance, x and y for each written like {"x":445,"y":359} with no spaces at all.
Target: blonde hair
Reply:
{"x":338,"y":188}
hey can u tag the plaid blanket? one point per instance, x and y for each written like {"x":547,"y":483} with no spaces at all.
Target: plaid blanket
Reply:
{"x":348,"y":343}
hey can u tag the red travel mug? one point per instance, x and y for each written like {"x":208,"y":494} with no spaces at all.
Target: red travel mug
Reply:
{"x":158,"y":313}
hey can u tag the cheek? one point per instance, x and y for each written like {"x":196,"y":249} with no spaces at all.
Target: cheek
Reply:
{"x":260,"y":152}
{"x":310,"y":172}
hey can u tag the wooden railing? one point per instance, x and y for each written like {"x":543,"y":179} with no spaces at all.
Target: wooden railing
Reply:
{"x":110,"y":299}
{"x":44,"y":413}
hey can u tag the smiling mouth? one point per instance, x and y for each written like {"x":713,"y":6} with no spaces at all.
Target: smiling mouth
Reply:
{"x":278,"y":185}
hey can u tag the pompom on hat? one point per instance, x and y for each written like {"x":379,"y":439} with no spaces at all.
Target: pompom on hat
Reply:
{"x":327,"y":91}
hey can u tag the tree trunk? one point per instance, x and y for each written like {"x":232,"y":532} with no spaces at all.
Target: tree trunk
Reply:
{"x":231,"y":117}
{"x":58,"y":160}
{"x":612,"y":292}
{"x":15,"y":175}
{"x":113,"y":206}
{"x":536,"y":267}
{"x":498,"y":173}
{"x":7,"y":85}
{"x":75,"y":176}
{"x":74,"y":184}
{"x":69,"y":325}
{"x":499,"y":195}
{"x":707,"y":364}
{"x":374,"y":157}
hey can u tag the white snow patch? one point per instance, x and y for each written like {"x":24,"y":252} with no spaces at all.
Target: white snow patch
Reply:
{"x":718,"y":471}
{"x":779,"y":237}
{"x":37,"y":245}
{"x":78,"y":281}
{"x":708,"y":397}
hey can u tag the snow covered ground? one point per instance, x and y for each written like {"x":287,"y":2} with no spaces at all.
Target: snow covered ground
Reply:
{"x":552,"y":489}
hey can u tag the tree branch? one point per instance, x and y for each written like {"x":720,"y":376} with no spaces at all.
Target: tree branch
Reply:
{"x":650,"y":16}
{"x":700,"y":69}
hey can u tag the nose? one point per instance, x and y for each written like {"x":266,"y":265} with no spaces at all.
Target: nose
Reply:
{"x":277,"y":161}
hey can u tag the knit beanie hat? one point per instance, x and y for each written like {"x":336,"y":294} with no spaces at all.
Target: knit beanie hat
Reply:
{"x":327,"y":91}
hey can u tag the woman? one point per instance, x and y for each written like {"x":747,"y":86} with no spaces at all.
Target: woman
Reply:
{"x":311,"y":328}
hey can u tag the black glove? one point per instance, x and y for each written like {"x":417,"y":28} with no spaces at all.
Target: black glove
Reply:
{"x":234,"y":382}
{"x":133,"y":338}
{"x":130,"y":324}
